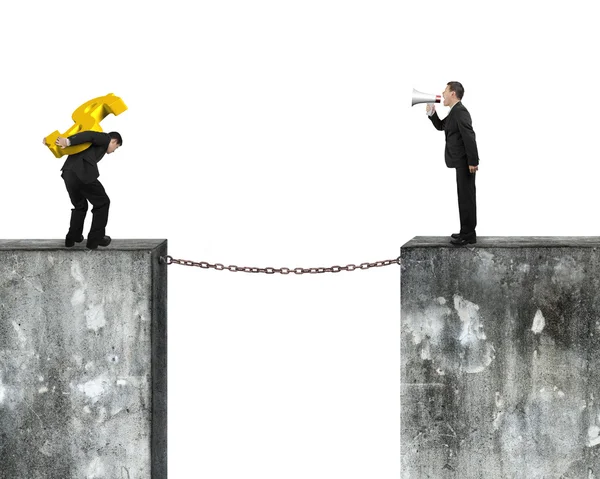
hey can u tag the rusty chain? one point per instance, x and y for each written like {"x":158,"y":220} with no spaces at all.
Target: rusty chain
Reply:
{"x":270,"y":270}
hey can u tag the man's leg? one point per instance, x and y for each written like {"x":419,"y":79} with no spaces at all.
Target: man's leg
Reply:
{"x":95,"y":194}
{"x":467,"y":205}
{"x":80,"y":205}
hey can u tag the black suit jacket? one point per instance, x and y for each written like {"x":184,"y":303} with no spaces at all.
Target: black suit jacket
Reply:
{"x":461,"y":148}
{"x":85,"y":163}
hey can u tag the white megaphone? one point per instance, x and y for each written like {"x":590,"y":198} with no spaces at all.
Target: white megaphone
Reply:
{"x":420,"y":97}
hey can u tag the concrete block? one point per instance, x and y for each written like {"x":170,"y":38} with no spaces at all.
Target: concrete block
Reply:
{"x":500,"y":352}
{"x":83,"y":360}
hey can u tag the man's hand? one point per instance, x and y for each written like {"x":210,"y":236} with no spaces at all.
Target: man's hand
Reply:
{"x":430,"y":108}
{"x":473,"y":169}
{"x":62,"y":142}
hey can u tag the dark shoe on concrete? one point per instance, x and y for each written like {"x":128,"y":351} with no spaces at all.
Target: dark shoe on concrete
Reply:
{"x":69,"y":243}
{"x":105,"y":241}
{"x":455,"y":235}
{"x":463,"y":241}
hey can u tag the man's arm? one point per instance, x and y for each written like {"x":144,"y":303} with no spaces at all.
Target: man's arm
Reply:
{"x":433,"y":116}
{"x":468,"y":137}
{"x":93,"y":137}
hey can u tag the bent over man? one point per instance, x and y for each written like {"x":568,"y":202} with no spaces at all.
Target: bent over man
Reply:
{"x":80,"y":174}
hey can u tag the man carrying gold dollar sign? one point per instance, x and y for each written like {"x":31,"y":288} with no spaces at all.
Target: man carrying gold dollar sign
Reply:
{"x":80,"y":173}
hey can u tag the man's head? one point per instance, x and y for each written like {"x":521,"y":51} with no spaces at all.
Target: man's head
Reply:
{"x":115,"y":142}
{"x":453,"y":93}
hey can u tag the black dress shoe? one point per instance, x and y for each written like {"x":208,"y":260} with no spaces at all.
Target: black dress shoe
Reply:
{"x":69,"y":243}
{"x":463,"y":241}
{"x":105,"y":241}
{"x":455,"y":235}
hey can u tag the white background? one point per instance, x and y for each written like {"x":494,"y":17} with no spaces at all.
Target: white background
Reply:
{"x":279,"y":133}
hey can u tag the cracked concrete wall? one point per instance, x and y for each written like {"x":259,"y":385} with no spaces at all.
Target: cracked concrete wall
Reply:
{"x":500,"y":352}
{"x":82,"y":360}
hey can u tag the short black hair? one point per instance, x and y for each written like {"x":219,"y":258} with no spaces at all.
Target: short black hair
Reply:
{"x":116,"y":136}
{"x":457,"y":88}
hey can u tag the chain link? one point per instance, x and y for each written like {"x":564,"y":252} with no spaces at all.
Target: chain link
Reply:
{"x":270,"y":270}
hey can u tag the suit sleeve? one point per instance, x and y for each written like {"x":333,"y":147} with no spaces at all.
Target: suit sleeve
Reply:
{"x":435,"y":119}
{"x":93,"y":137}
{"x":468,"y":137}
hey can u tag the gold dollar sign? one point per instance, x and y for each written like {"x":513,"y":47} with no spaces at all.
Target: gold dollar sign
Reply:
{"x":87,"y":117}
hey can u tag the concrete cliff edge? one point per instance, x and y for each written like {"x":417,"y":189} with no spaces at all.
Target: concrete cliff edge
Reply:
{"x":83,"y":359}
{"x":500,"y":348}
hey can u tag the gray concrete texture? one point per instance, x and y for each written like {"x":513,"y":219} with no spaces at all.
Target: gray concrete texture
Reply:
{"x":500,"y":353}
{"x":82,"y":360}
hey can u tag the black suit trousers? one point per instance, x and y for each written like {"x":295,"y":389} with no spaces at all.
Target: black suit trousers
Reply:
{"x":80,"y":193}
{"x":467,"y":205}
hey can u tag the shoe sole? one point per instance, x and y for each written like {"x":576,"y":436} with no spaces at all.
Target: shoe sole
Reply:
{"x":72,"y":243}
{"x":465,"y":244}
{"x":95,"y":246}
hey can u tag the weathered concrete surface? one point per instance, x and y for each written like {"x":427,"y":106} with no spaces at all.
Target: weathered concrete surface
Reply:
{"x":83,"y":377}
{"x":500,"y":353}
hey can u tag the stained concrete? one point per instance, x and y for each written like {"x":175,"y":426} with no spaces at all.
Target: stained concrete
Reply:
{"x":500,"y":348}
{"x":83,"y":376}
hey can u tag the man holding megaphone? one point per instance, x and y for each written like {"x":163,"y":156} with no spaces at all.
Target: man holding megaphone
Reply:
{"x":461,"y":153}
